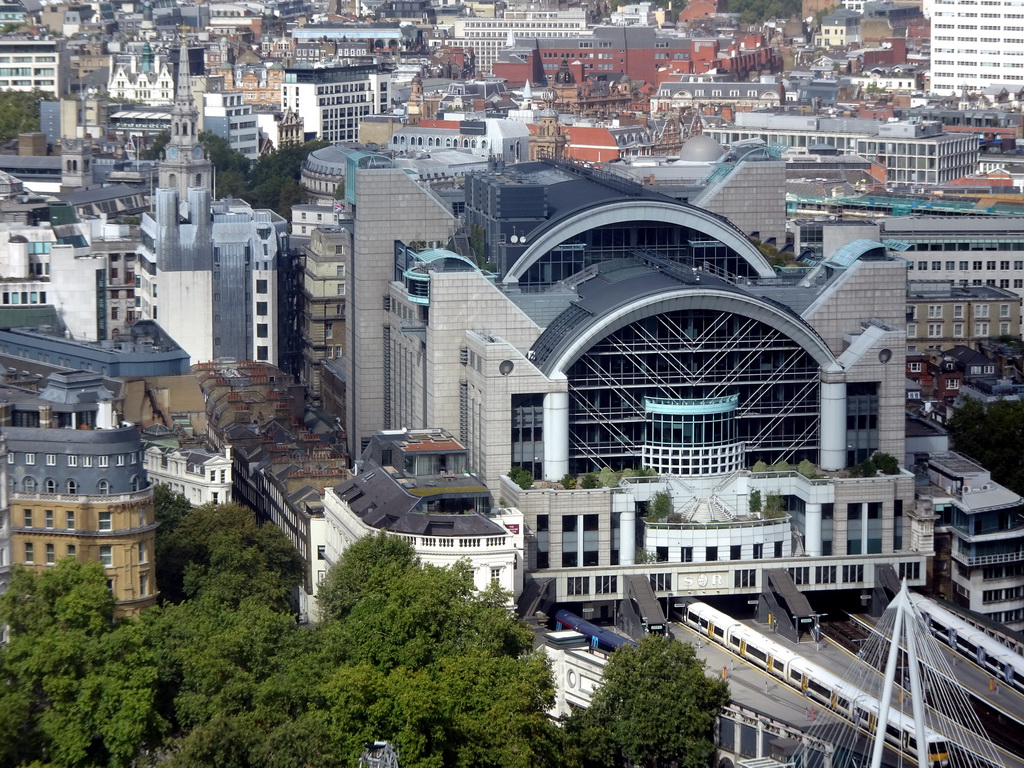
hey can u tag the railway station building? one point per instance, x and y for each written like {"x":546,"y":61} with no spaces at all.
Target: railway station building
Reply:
{"x":604,"y":334}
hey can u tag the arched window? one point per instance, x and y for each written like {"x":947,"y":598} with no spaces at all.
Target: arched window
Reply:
{"x":199,"y":179}
{"x":51,"y":485}
{"x":135,"y":483}
{"x":473,"y":144}
{"x":30,"y":485}
{"x":177,"y":129}
{"x":72,"y":487}
{"x":483,"y":143}
{"x":173,"y":179}
{"x":103,"y":486}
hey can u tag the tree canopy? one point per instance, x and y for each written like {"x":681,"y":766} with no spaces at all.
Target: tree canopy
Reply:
{"x":222,"y":674}
{"x":19,"y":112}
{"x":656,"y":707}
{"x":992,"y":435}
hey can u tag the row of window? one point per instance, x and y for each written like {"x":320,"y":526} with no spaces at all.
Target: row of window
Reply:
{"x":938,"y":311}
{"x":106,"y":553}
{"x":50,"y":485}
{"x":935,"y":330}
{"x":73,"y":460}
{"x":104,"y":521}
{"x":743,"y":578}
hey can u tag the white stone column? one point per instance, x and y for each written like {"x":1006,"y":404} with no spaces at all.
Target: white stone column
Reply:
{"x":833,"y":423}
{"x":627,"y":538}
{"x":556,"y":435}
{"x":812,"y":530}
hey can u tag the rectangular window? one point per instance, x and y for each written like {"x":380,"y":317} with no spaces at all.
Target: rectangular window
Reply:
{"x":735,"y":552}
{"x":934,"y":330}
{"x":261,"y":286}
{"x":825,"y":574}
{"x":69,"y":520}
{"x":981,"y":310}
{"x":51,"y":554}
{"x":30,"y":459}
{"x":711,"y":554}
{"x":30,"y":556}
{"x":661,"y":582}
{"x":1004,"y":310}
{"x":72,"y":461}
{"x":758,"y":550}
{"x":261,"y":308}
{"x":105,"y":522}
{"x":745,"y":577}
{"x":143,"y":556}
{"x":87,"y":461}
{"x":262,"y":330}
{"x":800,"y":575}
{"x":958,"y":310}
{"x":51,"y":459}
{"x":72,"y":550}
{"x":103,"y":461}
{"x":48,"y":518}
{"x":853,"y":574}
{"x":606,"y":585}
{"x":107,"y":556}
{"x":143,"y":584}
{"x":27,"y":519}
{"x":578,"y":585}
{"x":120,"y":459}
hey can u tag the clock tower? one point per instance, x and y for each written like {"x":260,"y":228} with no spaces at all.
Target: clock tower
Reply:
{"x":184,"y":164}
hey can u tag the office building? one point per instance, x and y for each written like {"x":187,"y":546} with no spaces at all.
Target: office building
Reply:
{"x":913,"y":154}
{"x":332,"y":99}
{"x":942,"y":315}
{"x":973,"y":50}
{"x":74,"y":485}
{"x":29,"y":63}
{"x":621,"y":329}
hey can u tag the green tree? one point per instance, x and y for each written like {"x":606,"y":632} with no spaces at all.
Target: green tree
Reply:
{"x":424,"y":614}
{"x":754,"y":503}
{"x":78,"y":689}
{"x":568,"y":481}
{"x":521,"y":477}
{"x":774,"y":505}
{"x":993,"y":436}
{"x":886,"y":463}
{"x":660,"y":506}
{"x":590,"y":481}
{"x":155,"y":150}
{"x":655,"y":707}
{"x":232,"y":167}
{"x":19,"y":112}
{"x":608,"y":477}
{"x":220,"y":553}
{"x":368,"y":565}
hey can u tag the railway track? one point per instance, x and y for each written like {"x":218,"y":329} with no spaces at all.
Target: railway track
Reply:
{"x":1004,"y":731}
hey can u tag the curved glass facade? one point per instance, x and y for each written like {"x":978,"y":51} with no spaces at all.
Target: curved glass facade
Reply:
{"x":693,"y":355}
{"x":692,"y":437}
{"x":685,"y":245}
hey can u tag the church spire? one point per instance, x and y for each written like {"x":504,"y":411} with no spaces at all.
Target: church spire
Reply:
{"x":183,"y":95}
{"x":185,"y":164}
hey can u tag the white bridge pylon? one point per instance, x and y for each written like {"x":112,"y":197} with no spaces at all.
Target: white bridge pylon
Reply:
{"x":903,"y":632}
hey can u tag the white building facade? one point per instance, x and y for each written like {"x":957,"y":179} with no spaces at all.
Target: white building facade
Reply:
{"x":200,"y":476}
{"x":975,"y":43}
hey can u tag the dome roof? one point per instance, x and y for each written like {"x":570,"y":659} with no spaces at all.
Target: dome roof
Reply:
{"x":549,"y":112}
{"x":701,"y":149}
{"x":18,"y":239}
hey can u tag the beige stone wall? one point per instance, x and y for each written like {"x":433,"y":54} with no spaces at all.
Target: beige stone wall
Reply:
{"x":389,"y":206}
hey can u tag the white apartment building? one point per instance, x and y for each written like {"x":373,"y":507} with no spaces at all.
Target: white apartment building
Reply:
{"x":488,"y":36}
{"x":975,"y":43}
{"x":146,"y":79}
{"x":28,"y":63}
{"x":227,"y":115}
{"x":332,"y":100}
{"x":200,"y":476}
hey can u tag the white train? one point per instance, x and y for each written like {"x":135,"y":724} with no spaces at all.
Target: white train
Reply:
{"x":975,"y":644}
{"x":815,"y":682}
